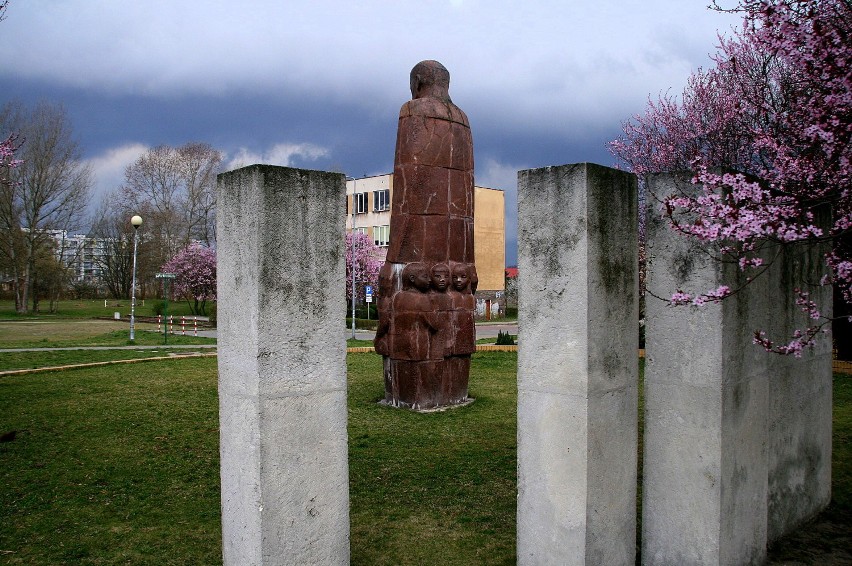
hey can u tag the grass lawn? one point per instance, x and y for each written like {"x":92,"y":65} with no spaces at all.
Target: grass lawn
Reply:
{"x":29,"y":360}
{"x":70,"y":333}
{"x":120,"y":465}
{"x":92,"y":308}
{"x":436,"y":488}
{"x":111,"y":465}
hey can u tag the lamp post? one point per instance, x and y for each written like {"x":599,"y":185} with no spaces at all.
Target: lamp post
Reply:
{"x":136,"y":221}
{"x":354,"y":264}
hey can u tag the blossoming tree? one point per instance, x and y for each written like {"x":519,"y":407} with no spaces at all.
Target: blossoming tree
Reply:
{"x":368,"y":260}
{"x":195,"y":276}
{"x":775,"y":112}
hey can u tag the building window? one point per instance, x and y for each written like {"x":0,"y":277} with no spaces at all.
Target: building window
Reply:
{"x":381,"y":235}
{"x":381,"y":200}
{"x":360,"y":230}
{"x":360,"y":202}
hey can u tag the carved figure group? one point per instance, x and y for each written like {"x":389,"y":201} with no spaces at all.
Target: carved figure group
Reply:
{"x":427,"y":333}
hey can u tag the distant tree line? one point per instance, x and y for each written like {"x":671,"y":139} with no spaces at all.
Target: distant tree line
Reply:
{"x":46,"y":192}
{"x":173,"y":190}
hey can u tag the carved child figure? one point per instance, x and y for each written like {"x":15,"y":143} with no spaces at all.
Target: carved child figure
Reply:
{"x":411,"y":370}
{"x":463,"y":306}
{"x":415,"y":323}
{"x":442,"y":304}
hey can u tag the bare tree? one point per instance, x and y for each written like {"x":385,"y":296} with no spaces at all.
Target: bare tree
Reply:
{"x":50,"y":188}
{"x":200,"y":163}
{"x":113,"y":231}
{"x":173,"y":190}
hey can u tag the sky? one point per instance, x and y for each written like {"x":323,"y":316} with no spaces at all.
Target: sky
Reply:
{"x":318,"y":84}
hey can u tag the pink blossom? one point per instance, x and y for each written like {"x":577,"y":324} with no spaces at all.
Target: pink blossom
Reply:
{"x":8,"y":147}
{"x":195,"y":281}
{"x":774,"y":111}
{"x":369,"y":259}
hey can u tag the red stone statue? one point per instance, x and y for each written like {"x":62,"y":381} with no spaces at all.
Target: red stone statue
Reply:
{"x":426,"y":332}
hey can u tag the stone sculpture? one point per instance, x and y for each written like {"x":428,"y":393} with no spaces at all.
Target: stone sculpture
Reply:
{"x":426,"y":332}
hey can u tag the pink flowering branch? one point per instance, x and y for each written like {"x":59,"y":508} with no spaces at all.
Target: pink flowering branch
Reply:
{"x":775,"y":111}
{"x":8,"y":147}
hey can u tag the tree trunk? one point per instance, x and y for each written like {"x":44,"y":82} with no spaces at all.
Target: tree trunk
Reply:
{"x":25,"y":291}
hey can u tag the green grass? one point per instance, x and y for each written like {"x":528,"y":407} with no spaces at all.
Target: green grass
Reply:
{"x":120,"y":465}
{"x":842,"y":445}
{"x":433,"y":488}
{"x":91,"y":308}
{"x":111,"y":466}
{"x":55,"y":358}
{"x":68,"y":334}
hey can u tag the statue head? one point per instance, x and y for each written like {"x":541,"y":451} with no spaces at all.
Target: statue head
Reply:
{"x":474,"y":278}
{"x":415,"y":275}
{"x":430,"y":79}
{"x":440,"y":277}
{"x":461,"y":278}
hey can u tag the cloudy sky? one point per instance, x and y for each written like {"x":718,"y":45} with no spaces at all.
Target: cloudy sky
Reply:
{"x":318,"y":84}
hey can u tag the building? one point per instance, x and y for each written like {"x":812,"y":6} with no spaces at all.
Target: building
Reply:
{"x":81,"y":253}
{"x":370,"y":199}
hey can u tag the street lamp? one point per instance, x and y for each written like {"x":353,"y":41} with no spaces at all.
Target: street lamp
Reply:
{"x":136,"y":221}
{"x":354,"y":264}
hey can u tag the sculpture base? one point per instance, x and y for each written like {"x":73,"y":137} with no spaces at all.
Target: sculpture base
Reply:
{"x":426,"y":385}
{"x":465,"y":403}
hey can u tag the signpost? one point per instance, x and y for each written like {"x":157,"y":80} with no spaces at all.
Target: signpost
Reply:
{"x":166,"y":277}
{"x":368,"y":290}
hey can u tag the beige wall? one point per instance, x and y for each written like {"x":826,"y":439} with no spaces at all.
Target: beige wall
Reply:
{"x":489,"y":238}
{"x":489,"y":229}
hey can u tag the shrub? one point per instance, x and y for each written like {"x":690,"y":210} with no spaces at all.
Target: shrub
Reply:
{"x":504,"y":339}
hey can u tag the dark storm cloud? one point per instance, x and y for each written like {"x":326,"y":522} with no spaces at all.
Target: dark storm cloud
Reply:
{"x":318,"y":84}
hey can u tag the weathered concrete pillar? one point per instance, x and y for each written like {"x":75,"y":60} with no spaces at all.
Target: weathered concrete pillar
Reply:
{"x":714,"y":416}
{"x":577,"y":365}
{"x":282,"y":371}
{"x":800,"y":400}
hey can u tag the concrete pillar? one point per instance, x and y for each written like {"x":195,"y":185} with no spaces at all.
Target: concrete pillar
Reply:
{"x":577,"y":365}
{"x":715,"y":419}
{"x":282,"y":371}
{"x":800,"y":401}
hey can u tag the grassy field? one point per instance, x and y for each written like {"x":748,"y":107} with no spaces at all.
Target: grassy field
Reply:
{"x":111,"y":466}
{"x":433,"y":488}
{"x":92,"y":308}
{"x":58,"y":358}
{"x":120,"y":465}
{"x":68,"y":334}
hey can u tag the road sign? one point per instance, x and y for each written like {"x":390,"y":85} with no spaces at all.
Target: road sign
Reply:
{"x":369,"y":293}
